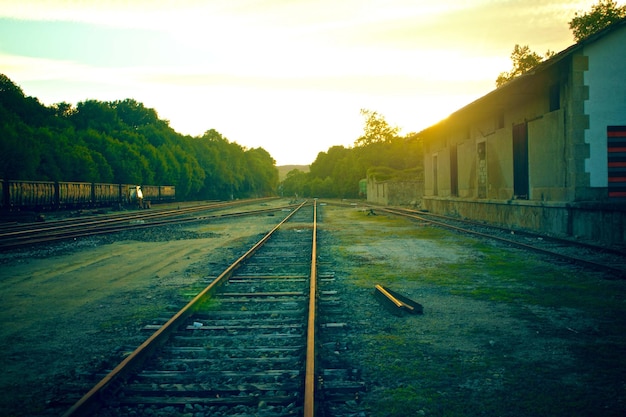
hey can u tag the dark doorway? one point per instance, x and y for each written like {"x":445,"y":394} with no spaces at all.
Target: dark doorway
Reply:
{"x":454,"y":176}
{"x":520,"y":161}
{"x":435,"y":173}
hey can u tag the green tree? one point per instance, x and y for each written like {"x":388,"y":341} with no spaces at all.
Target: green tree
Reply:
{"x":602,"y":14}
{"x":523,"y":60}
{"x":224,"y":165}
{"x":189,"y":176}
{"x":294,"y":184}
{"x":337,"y":172}
{"x":376,"y":129}
{"x":97,"y":115}
{"x":63,"y":109}
{"x":19,"y":152}
{"x":347,"y":173}
{"x":134,"y":114}
{"x":413,"y":151}
{"x":262,"y":175}
{"x":325,"y":162}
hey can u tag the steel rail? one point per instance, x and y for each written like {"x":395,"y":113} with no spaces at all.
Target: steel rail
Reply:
{"x":591,"y":264}
{"x":309,"y":379}
{"x":398,"y":303}
{"x":106,"y":227}
{"x":67,"y":223}
{"x":617,"y":251}
{"x":118,"y":218}
{"x":87,"y":403}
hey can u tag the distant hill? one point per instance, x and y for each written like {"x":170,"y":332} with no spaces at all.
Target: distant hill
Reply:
{"x":284,"y":169}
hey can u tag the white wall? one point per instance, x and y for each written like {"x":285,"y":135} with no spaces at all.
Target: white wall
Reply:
{"x":606,"y":106}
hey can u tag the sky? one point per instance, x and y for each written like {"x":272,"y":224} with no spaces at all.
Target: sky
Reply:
{"x":290,"y":76}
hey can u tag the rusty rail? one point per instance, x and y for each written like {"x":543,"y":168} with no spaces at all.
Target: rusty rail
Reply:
{"x":89,"y":401}
{"x":398,"y":301}
{"x":309,"y":379}
{"x":96,"y":225}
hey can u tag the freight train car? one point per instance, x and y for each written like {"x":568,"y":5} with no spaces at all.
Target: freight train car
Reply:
{"x":38,"y":195}
{"x":150,"y":192}
{"x":107,"y":194}
{"x":167,"y":193}
{"x":144,"y":195}
{"x":75,"y":194}
{"x":50,"y":195}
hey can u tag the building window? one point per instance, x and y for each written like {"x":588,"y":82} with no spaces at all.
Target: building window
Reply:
{"x":555,"y":97}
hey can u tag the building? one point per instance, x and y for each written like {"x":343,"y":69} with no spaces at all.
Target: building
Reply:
{"x":388,"y":186}
{"x":394,"y":192}
{"x":544,"y":152}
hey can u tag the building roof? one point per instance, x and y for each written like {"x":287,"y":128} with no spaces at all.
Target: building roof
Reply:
{"x":517,"y":86}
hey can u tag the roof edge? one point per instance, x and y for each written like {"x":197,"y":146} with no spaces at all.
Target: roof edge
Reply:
{"x":541,"y":67}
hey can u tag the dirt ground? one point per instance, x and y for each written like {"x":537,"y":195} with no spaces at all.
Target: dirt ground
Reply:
{"x":503,"y":332}
{"x":67,"y":309}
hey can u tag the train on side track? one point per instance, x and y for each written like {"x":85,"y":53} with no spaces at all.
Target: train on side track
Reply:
{"x":18,"y":195}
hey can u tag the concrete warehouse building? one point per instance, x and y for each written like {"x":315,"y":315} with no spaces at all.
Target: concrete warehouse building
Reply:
{"x":545,"y":152}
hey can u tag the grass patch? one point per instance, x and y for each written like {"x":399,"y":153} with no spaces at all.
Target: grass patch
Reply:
{"x":445,"y":383}
{"x":505,"y":332}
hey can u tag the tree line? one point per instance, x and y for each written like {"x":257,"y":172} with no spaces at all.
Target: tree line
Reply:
{"x":380,"y":152}
{"x":123,"y":142}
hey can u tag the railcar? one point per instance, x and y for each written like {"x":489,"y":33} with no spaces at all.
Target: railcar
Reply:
{"x":150,"y":192}
{"x":51,"y":195}
{"x":39,"y":195}
{"x":75,"y":194}
{"x":167,"y":193}
{"x":126,"y":193}
{"x":107,"y":194}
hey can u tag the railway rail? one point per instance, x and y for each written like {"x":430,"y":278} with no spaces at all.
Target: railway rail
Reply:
{"x":245,"y":344}
{"x":608,"y":260}
{"x":13,"y":236}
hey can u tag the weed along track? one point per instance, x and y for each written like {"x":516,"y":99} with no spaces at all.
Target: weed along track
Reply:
{"x":609,"y":260}
{"x":244,"y":346}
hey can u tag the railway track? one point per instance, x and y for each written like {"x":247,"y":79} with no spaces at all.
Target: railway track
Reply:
{"x":246,"y":344}
{"x":19,"y":235}
{"x":610,"y":261}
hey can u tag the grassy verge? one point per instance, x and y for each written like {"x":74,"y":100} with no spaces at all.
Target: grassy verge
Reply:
{"x":505,"y":332}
